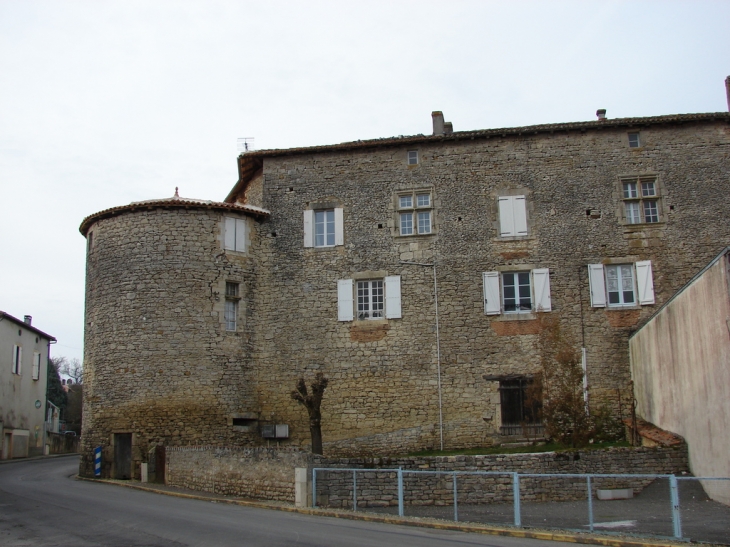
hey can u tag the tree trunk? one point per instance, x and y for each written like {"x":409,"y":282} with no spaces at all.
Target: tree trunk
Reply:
{"x":315,"y":430}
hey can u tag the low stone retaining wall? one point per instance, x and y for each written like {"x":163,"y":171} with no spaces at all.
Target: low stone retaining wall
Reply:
{"x":258,"y":473}
{"x":264,"y":473}
{"x":377,"y":489}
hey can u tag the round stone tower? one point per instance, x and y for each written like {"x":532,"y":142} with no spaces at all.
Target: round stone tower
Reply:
{"x":169,"y":286}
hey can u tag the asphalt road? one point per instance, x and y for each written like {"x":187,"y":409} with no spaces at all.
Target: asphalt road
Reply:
{"x":41,"y":504}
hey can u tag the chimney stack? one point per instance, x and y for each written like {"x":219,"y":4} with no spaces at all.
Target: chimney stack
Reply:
{"x":27,"y":319}
{"x":438,"y":122}
{"x":601,"y":113}
{"x":727,"y":90}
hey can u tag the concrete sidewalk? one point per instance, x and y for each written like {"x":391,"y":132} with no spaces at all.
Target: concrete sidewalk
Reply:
{"x":430,"y":517}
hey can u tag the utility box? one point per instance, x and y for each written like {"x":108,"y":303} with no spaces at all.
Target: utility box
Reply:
{"x":278,"y":431}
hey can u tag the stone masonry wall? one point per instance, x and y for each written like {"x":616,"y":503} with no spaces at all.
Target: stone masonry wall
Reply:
{"x":263,"y":473}
{"x":158,"y":361}
{"x":383,"y":396}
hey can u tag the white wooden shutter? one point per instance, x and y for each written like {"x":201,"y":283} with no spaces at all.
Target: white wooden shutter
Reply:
{"x":645,"y":282}
{"x":519,"y":207}
{"x":492,"y":303}
{"x":506,"y":217}
{"x":309,"y":228}
{"x":598,"y":285}
{"x":339,"y":226}
{"x":541,"y":279}
{"x":36,"y":365}
{"x":344,"y":300}
{"x":229,"y":236}
{"x":241,"y":235}
{"x":392,"y":297}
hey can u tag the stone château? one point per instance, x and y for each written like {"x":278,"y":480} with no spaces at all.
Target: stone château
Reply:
{"x":412,"y":271}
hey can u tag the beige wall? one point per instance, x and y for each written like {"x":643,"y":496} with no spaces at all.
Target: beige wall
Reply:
{"x":680,"y":362}
{"x":18,"y":393}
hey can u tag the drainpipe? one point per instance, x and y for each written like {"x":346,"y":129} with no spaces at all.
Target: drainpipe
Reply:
{"x":438,"y":346}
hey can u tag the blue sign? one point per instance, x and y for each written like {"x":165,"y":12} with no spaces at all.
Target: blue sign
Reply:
{"x":97,"y":461}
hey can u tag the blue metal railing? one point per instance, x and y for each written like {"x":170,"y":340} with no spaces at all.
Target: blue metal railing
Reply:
{"x":400,"y":472}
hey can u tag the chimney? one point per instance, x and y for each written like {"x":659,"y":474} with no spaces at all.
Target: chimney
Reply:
{"x":448,"y":128}
{"x":438,"y":122}
{"x":601,"y":113}
{"x":727,"y":90}
{"x":27,"y":319}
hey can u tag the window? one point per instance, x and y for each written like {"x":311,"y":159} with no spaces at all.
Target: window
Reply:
{"x":324,"y":227}
{"x":512,"y":216}
{"x":235,"y":236}
{"x":621,"y":285}
{"x":36,"y":365}
{"x":640,"y":199}
{"x":231,"y":306}
{"x":413,"y":157}
{"x":17,"y":359}
{"x":415,"y":213}
{"x":634,"y":140}
{"x":372,"y":299}
{"x":520,"y":405}
{"x":370,"y":302}
{"x":517,"y":292}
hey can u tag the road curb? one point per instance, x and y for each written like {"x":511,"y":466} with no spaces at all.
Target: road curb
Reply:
{"x":410,"y":521}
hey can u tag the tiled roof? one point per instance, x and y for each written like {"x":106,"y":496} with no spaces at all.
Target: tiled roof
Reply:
{"x":25,"y":325}
{"x":654,"y":433}
{"x":250,"y":162}
{"x":174,"y":202}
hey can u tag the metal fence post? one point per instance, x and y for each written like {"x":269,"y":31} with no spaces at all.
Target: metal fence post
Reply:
{"x":590,"y":504}
{"x":354,"y":490}
{"x":516,"y":496}
{"x":314,"y":488}
{"x":676,"y":519}
{"x":400,"y":491}
{"x":456,"y":509}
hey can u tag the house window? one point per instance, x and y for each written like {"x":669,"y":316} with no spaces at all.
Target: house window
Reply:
{"x":231,"y":306}
{"x":520,"y":405}
{"x":36,"y":365}
{"x":517,"y":292}
{"x":17,"y":359}
{"x":621,"y":285}
{"x":641,"y":200}
{"x":235,"y":237}
{"x":512,"y":216}
{"x":412,"y":157}
{"x":324,"y":227}
{"x":634,"y":140}
{"x":415,"y":213}
{"x":369,"y":299}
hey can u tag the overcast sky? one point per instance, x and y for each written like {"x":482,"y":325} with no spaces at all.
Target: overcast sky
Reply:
{"x":107,"y":102}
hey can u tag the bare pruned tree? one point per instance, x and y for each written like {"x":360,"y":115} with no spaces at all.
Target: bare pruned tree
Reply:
{"x":71,"y":368}
{"x":312,"y":402}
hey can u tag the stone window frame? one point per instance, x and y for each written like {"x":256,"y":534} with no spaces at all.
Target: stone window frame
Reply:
{"x":347,"y":297}
{"x":231,"y":305}
{"x":634,"y":139}
{"x":414,"y":209}
{"x":529,"y":213}
{"x":642,"y":272}
{"x":236,"y":234}
{"x":538,"y":303}
{"x":310,"y":213}
{"x":640,"y":199}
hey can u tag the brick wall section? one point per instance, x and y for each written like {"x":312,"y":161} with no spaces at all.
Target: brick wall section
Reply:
{"x":263,"y":473}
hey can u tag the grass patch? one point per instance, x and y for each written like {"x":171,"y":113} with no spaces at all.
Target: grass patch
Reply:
{"x":549,"y":447}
